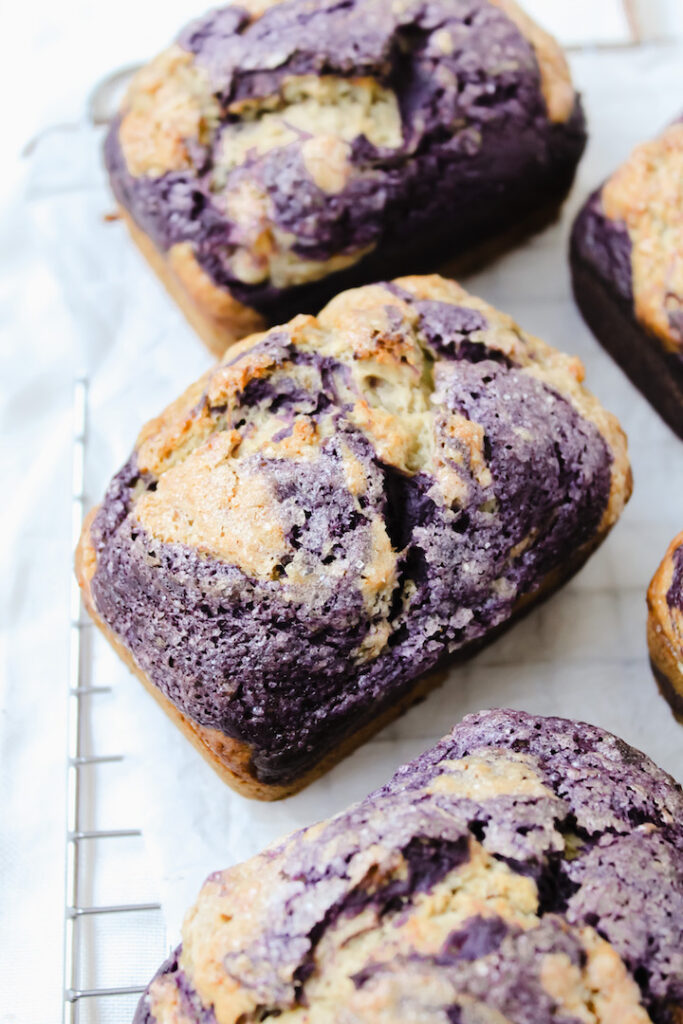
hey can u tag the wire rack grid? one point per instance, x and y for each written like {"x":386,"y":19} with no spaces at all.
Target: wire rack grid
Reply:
{"x":85,"y":921}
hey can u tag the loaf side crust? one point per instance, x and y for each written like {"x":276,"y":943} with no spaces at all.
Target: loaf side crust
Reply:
{"x":656,"y":372}
{"x":664,"y":636}
{"x":217,"y":317}
{"x":220,"y":320}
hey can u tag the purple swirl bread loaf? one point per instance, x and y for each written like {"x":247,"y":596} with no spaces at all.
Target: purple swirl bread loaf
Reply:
{"x":524,"y":871}
{"x":627,"y":269}
{"x":278,"y":152}
{"x":665,"y":624}
{"x":338,"y":509}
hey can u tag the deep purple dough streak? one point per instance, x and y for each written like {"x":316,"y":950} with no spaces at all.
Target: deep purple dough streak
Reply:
{"x":625,"y":874}
{"x":674,"y":594}
{"x":605,"y":246}
{"x":602,"y":278}
{"x":478,"y":150}
{"x":225,"y":647}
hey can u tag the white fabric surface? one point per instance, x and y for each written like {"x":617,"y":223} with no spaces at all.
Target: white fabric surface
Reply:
{"x":74,"y":294}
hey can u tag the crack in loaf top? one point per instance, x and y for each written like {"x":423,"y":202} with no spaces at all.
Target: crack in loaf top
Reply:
{"x":343,"y":503}
{"x":525,"y":870}
{"x":285,"y":142}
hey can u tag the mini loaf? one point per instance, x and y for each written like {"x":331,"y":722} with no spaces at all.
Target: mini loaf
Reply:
{"x":338,"y":509}
{"x":627,"y":269}
{"x":524,"y":871}
{"x":278,"y":152}
{"x":665,"y":624}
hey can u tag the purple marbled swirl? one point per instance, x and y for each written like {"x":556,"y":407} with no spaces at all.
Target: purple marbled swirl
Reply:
{"x":622,"y":875}
{"x":226,"y":648}
{"x":478,"y":152}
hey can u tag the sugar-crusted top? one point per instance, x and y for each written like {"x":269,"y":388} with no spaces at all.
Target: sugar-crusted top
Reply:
{"x":390,"y":351}
{"x":342,"y":503}
{"x":645,"y":195}
{"x":523,"y":869}
{"x":274,"y":138}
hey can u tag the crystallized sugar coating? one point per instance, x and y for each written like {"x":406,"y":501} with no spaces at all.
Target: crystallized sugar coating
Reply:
{"x":292,"y":140}
{"x":523,"y":870}
{"x":343,"y":504}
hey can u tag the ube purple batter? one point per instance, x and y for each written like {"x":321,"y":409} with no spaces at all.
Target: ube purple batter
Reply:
{"x":343,"y":506}
{"x":270,"y":149}
{"x":524,"y":870}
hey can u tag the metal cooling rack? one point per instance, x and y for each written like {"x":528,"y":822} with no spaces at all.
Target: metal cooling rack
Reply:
{"x":85,"y":921}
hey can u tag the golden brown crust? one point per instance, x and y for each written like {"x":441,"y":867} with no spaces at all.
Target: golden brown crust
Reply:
{"x":237,"y":523}
{"x":556,"y":83}
{"x":646,"y":194}
{"x":168,"y":104}
{"x":217,"y":317}
{"x":665,"y":631}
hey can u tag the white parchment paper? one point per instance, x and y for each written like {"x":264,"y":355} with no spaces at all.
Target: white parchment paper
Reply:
{"x":583,"y":654}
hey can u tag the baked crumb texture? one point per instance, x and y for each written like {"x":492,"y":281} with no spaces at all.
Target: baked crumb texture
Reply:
{"x":523,"y":870}
{"x":627,"y":261}
{"x":341,"y":506}
{"x":274,"y":145}
{"x":665,"y":624}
